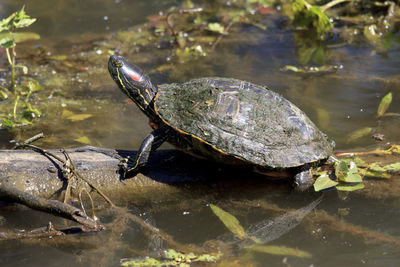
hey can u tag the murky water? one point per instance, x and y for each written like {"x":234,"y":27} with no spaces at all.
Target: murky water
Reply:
{"x":348,"y":99}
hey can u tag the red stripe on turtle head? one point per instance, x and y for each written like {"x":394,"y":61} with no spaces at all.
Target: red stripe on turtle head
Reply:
{"x":135,"y":76}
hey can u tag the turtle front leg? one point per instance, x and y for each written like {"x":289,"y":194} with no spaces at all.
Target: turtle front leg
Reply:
{"x":149,"y":144}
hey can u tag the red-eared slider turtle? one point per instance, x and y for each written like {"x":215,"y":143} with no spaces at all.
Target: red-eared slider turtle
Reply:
{"x":224,"y":119}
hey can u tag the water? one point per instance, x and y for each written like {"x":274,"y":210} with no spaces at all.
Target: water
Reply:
{"x":349,"y":97}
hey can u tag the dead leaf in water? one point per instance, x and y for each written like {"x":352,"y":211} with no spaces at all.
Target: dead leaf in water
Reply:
{"x":384,"y":105}
{"x":281,"y":250}
{"x":230,"y":222}
{"x":357,"y":134}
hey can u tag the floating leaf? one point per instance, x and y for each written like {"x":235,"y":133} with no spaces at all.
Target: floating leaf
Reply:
{"x":67,"y":113}
{"x":350,"y":187}
{"x":341,"y":169}
{"x":323,"y":182}
{"x":384,"y":105}
{"x":394,"y":167}
{"x":216,"y":27}
{"x":229,"y":221}
{"x":352,"y":178}
{"x":292,"y":68}
{"x":357,"y":134}
{"x":79,"y":117}
{"x":352,"y":175}
{"x":281,"y":250}
{"x":376,"y":174}
{"x":83,"y":140}
{"x":141,"y":262}
{"x":59,"y":57}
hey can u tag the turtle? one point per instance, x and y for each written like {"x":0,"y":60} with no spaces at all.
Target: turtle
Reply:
{"x":226,"y":120}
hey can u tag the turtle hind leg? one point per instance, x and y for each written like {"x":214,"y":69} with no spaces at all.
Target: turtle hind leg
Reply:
{"x":303,"y":180}
{"x":149,"y":144}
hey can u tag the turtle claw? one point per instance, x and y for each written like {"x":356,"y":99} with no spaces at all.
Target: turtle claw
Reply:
{"x":124,"y":169}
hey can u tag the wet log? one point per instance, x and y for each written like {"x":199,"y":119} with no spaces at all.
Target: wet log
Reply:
{"x":166,"y":173}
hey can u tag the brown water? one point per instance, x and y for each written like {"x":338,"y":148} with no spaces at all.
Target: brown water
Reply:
{"x":349,"y":97}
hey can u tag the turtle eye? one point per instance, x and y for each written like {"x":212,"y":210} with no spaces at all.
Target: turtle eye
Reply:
{"x":117,"y":63}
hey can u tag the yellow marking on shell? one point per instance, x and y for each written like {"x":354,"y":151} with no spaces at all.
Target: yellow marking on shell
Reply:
{"x":198,"y":138}
{"x":127,"y":92}
{"x":237,"y":111}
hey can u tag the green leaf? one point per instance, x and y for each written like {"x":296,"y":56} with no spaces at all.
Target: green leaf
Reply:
{"x":352,"y":178}
{"x":384,"y":105}
{"x":7,"y":123}
{"x":323,"y":182}
{"x":394,"y":167}
{"x":6,"y":40}
{"x":79,"y":117}
{"x":180,"y":258}
{"x":321,"y":21}
{"x":20,"y":37}
{"x":376,"y":174}
{"x":357,"y":134}
{"x":281,"y":250}
{"x":341,"y":169}
{"x":34,"y":86}
{"x":22,"y":20}
{"x":350,"y":187}
{"x":83,"y":140}
{"x":310,"y":17}
{"x":216,"y":27}
{"x":5,"y":24}
{"x":61,"y":57}
{"x":67,"y":114}
{"x":229,"y":221}
{"x":352,"y":175}
{"x":141,"y":262}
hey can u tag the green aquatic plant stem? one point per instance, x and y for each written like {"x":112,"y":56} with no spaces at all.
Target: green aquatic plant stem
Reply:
{"x":11,"y":60}
{"x":15,"y":107}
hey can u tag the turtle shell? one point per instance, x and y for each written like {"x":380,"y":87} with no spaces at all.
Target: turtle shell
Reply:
{"x":243,"y":120}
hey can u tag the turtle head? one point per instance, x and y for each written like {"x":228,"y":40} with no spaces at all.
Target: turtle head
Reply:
{"x":132,"y":81}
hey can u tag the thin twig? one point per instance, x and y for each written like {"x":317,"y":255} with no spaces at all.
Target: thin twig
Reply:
{"x":332,"y":3}
{"x":10,"y":193}
{"x":222,"y":35}
{"x":73,"y":169}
